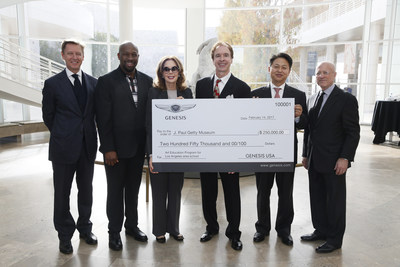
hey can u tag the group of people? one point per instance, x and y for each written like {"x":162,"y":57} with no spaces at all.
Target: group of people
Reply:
{"x":118,"y":105}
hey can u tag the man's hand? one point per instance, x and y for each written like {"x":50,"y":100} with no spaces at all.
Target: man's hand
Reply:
{"x":111,"y":158}
{"x":341,"y":166}
{"x":298,"y":109}
{"x":305,"y":163}
{"x":151,"y":168}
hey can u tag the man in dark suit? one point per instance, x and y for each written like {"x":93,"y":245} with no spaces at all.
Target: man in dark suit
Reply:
{"x":280,"y":67}
{"x":68,"y":112}
{"x":330,"y":143}
{"x":222,"y":85}
{"x":121,"y":98}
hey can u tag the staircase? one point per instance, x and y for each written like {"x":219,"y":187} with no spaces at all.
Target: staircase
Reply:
{"x":22,"y":73}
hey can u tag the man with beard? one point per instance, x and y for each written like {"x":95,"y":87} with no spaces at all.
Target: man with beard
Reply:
{"x":121,"y":98}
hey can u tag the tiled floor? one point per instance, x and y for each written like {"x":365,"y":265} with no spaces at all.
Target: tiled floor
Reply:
{"x":27,"y":236}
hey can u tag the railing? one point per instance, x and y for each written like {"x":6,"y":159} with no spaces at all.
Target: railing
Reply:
{"x":24,"y":66}
{"x":334,"y":11}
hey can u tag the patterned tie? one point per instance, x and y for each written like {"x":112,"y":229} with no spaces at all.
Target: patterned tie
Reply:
{"x":277,"y":92}
{"x":216,"y":89}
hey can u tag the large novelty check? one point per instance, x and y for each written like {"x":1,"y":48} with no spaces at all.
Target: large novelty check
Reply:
{"x":223,"y":135}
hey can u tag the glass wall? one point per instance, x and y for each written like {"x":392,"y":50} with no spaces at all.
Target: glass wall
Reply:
{"x":348,"y":33}
{"x":361,"y":37}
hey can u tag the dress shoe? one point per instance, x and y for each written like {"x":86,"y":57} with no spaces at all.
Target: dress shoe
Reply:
{"x":325,"y":248}
{"x":66,"y":247}
{"x":258,"y":237}
{"x":114,"y":242}
{"x":136,"y":234}
{"x":286,"y":239}
{"x":206,"y":236}
{"x":89,"y":238}
{"x":160,"y":239}
{"x":178,"y":237}
{"x":236,"y":244}
{"x":312,"y":237}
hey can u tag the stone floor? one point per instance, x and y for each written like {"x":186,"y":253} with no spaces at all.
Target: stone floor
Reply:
{"x":27,"y":236}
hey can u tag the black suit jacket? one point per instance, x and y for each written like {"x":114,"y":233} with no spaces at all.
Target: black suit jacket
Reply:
{"x":234,"y":86}
{"x":120,"y":123}
{"x":334,"y":134}
{"x":299,"y":98}
{"x":67,"y":124}
{"x":156,"y":93}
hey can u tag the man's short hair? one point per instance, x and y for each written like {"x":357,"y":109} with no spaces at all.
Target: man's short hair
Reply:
{"x":220,"y":43}
{"x":284,"y":56}
{"x":72,"y":41}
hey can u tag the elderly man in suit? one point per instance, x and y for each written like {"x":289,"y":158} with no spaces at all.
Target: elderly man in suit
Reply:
{"x":221,"y":85}
{"x":280,"y":67}
{"x":121,"y":98}
{"x":68,"y":112}
{"x":330,"y":143}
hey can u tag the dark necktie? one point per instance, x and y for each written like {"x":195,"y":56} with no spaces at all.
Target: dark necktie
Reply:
{"x":80,"y":92}
{"x":317,"y":107}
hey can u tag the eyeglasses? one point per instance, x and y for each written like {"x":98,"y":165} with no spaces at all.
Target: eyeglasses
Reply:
{"x":173,"y":69}
{"x":322,"y":73}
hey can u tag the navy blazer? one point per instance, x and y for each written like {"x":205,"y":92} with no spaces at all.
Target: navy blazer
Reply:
{"x":234,"y":86}
{"x":156,"y":93}
{"x":335,"y":133}
{"x":299,"y":98}
{"x":121,"y":124}
{"x":67,"y":124}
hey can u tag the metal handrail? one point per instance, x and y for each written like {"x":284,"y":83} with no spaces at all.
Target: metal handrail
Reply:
{"x":333,"y":12}
{"x":24,"y":66}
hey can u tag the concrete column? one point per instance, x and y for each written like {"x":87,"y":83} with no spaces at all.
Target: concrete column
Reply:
{"x":125,"y":20}
{"x":330,"y":54}
{"x":390,"y":50}
{"x":372,"y":67}
{"x":195,"y":31}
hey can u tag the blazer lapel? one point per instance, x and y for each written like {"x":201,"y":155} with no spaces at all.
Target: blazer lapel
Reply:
{"x":228,"y":88}
{"x":330,"y":102}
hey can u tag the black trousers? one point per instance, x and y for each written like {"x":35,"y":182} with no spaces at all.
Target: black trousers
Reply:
{"x":63,"y":175}
{"x":328,"y":204}
{"x":123,"y":183}
{"x":166,"y":188}
{"x":285,"y":214}
{"x":209,"y":193}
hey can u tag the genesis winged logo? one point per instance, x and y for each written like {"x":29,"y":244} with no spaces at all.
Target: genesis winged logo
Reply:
{"x":175,"y":108}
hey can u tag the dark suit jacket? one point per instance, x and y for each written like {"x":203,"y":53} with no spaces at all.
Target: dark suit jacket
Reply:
{"x":120,"y":123}
{"x":334,"y":134}
{"x":299,"y":98}
{"x":67,"y":124}
{"x":156,"y":93}
{"x":234,"y":86}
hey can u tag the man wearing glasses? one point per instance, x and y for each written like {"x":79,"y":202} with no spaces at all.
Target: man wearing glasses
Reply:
{"x":121,"y":98}
{"x":221,"y":85}
{"x":330,"y":143}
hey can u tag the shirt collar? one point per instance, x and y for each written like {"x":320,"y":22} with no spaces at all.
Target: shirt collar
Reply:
{"x":70,"y":73}
{"x":329,"y":90}
{"x":224,"y":79}
{"x":274,"y":86}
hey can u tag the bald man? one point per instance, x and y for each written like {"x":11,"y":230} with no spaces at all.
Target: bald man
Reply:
{"x":330,"y":143}
{"x":121,"y":98}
